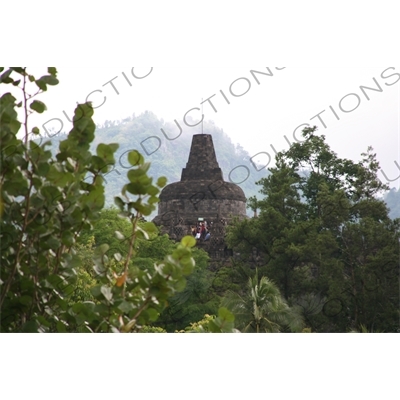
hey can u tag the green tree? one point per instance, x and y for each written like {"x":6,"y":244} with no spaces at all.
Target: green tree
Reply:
{"x":184,"y":307}
{"x":197,"y":299}
{"x":45,"y":204}
{"x":47,"y":201}
{"x":261,"y":308}
{"x":85,"y":277}
{"x":252,"y":203}
{"x":323,"y":232}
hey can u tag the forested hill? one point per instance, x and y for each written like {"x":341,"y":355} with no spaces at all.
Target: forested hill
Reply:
{"x":144,"y":134}
{"x":169,"y":156}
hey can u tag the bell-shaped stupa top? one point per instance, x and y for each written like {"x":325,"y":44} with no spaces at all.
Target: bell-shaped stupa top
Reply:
{"x":202,"y":178}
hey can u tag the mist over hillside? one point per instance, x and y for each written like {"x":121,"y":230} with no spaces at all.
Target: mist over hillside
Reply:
{"x":166,"y":145}
{"x":392,"y":199}
{"x":167,"y":148}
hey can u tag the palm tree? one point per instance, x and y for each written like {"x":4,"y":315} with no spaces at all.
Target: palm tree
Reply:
{"x":262,"y":309}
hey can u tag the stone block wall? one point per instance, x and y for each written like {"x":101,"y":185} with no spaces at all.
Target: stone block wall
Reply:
{"x":201,"y":194}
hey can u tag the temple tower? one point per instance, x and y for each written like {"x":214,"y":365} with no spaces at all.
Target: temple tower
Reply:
{"x":201,"y":195}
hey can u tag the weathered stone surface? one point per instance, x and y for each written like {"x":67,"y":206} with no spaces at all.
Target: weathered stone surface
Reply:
{"x":202,"y":194}
{"x":202,"y":164}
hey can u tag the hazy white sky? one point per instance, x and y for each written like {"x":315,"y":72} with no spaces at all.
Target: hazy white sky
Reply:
{"x":259,"y":114}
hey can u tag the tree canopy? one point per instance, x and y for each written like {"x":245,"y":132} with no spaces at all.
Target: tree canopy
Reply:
{"x":320,"y":251}
{"x":324,"y":236}
{"x":261,"y":308}
{"x":48,"y":200}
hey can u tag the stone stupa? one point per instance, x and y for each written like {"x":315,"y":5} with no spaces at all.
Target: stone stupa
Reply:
{"x":201,"y":195}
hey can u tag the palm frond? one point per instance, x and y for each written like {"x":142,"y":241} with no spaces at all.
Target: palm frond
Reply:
{"x":262,"y":308}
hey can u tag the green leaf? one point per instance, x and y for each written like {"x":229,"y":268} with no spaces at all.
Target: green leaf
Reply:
{"x":55,"y":282}
{"x":47,"y":80}
{"x":188,"y":264}
{"x":119,"y":203}
{"x":114,"y":146}
{"x":43,"y":169}
{"x":59,"y":177}
{"x":20,"y":70}
{"x":83,"y":110}
{"x":224,"y":323}
{"x":25,"y":300}
{"x":106,"y":292}
{"x":145,"y":166}
{"x":135,"y":174}
{"x":226,"y":315}
{"x":61,"y":328}
{"x":30,"y":327}
{"x":52,"y":70}
{"x":162,"y":181}
{"x":95,"y":199}
{"x":51,"y":80}
{"x":213,"y":327}
{"x":136,"y":188}
{"x":146,"y":210}
{"x":102,"y":249}
{"x":53,"y":243}
{"x":43,"y":321}
{"x":150,"y":227}
{"x":153,"y":200}
{"x":152,"y":314}
{"x":38,"y":106}
{"x":126,"y":306}
{"x":99,"y":164}
{"x":96,"y":290}
{"x":41,"y":85}
{"x":152,"y":191}
{"x":119,"y":235}
{"x":180,"y":285}
{"x":5,"y":77}
{"x":135,"y":158}
{"x":105,"y":152}
{"x":145,"y":234}
{"x":188,"y":241}
{"x":67,"y":238}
